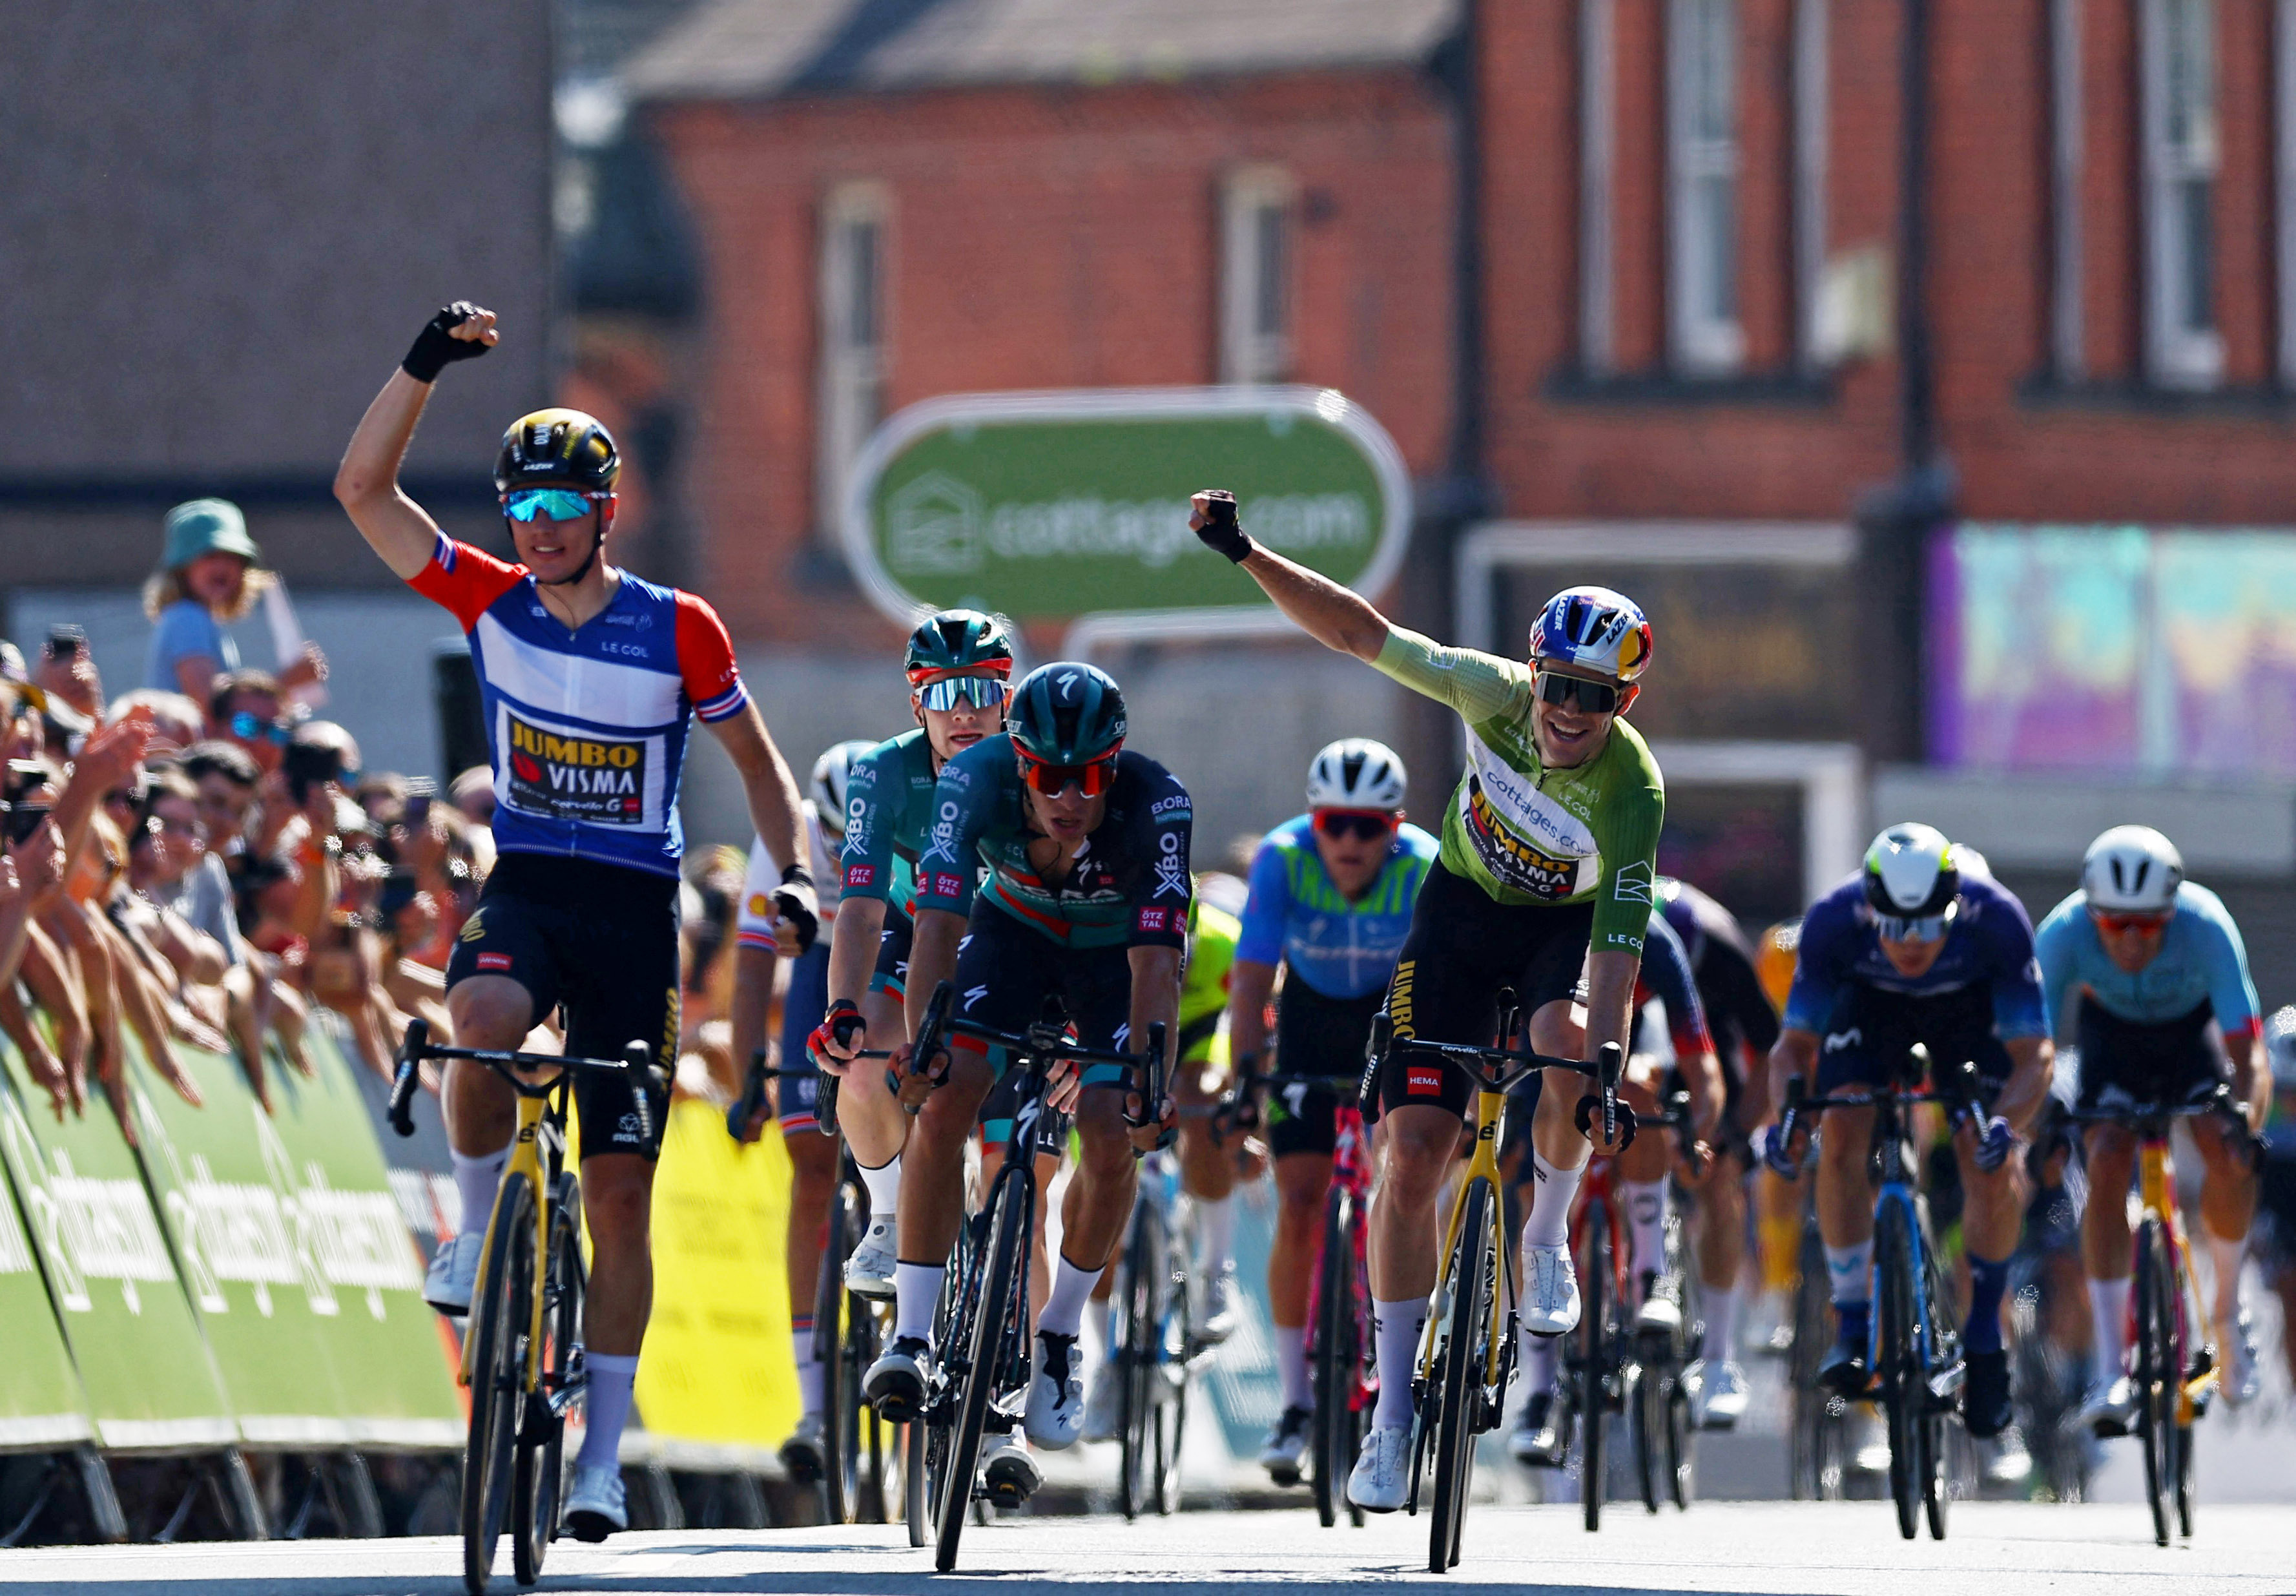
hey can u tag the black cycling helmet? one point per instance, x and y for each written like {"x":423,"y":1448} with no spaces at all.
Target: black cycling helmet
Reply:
{"x":1067,"y":713}
{"x":1911,"y":872}
{"x":558,"y":448}
{"x":959,"y":640}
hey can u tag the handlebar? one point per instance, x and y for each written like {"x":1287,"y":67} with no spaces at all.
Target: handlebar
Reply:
{"x":1045,"y":1041}
{"x":415,"y":1045}
{"x":2151,"y":1119}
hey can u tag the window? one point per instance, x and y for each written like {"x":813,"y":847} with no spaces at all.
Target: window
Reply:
{"x":852,"y":339}
{"x":1597,"y":88}
{"x":2181,"y":157}
{"x":1256,"y":234}
{"x":1702,"y":162}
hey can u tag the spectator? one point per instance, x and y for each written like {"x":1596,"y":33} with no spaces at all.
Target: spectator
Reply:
{"x":473,"y":793}
{"x":210,"y":574}
{"x":176,"y":722}
{"x":244,"y":709}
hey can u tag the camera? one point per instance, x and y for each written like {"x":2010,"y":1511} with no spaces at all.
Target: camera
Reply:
{"x":308,"y":765}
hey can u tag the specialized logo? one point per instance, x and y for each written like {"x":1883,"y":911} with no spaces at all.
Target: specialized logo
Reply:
{"x":1513,"y":860}
{"x":602,"y":780}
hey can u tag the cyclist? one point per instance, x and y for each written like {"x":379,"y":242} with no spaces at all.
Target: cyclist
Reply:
{"x":1085,"y":899}
{"x":813,"y":1159}
{"x":1547,"y":851}
{"x":2276,"y":1250}
{"x":589,"y":677}
{"x":957,"y":662}
{"x":1744,"y":1027}
{"x":1914,"y":948}
{"x":2155,"y":960}
{"x":1331,"y":900}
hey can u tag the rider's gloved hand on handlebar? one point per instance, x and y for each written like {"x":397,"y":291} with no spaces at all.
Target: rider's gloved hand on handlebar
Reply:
{"x":1774,"y":1147}
{"x":1995,"y":1140}
{"x":840,"y":1034}
{"x":795,"y":902}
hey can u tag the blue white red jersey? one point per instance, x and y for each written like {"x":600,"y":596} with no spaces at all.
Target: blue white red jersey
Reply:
{"x":586,"y":728}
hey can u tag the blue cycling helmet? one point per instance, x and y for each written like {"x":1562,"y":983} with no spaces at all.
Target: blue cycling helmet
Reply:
{"x":1595,"y":629}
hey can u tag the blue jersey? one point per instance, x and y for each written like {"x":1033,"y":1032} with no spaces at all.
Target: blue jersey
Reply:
{"x":1989,"y":942}
{"x":1340,"y":949}
{"x":2202,"y":959}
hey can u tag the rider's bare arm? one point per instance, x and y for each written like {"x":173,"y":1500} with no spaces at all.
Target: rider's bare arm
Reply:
{"x":765,"y":782}
{"x":2027,"y":1087}
{"x":1793,"y":1058}
{"x":1318,"y":606}
{"x":1249,"y":983}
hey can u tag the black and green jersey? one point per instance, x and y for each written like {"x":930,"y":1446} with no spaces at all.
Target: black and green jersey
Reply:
{"x":1128,"y":884}
{"x":887,"y":807}
{"x":1526,"y":834}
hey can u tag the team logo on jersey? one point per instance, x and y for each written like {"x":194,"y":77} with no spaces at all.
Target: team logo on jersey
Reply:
{"x":1515,"y":862}
{"x":596,"y":779}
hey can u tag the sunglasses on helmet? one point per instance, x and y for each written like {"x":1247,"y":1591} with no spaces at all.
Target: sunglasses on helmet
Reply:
{"x":981,"y":693}
{"x":1092,"y":780}
{"x":247,"y":727}
{"x":2119,"y":924}
{"x":1370,"y":825}
{"x":552,"y":503}
{"x":1921,"y":928}
{"x":1595,"y":698}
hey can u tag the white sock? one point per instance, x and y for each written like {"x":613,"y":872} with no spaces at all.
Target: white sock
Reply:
{"x":1536,"y":1356}
{"x":1395,"y":1330}
{"x":916,"y":1293}
{"x":810,"y":1371}
{"x":1848,"y":1271}
{"x":1721,"y":1341}
{"x":884,"y":1189}
{"x":2226,"y":1256}
{"x":2107,"y":1315}
{"x":1647,"y":1222}
{"x":1216,"y":1222}
{"x":1063,"y":1312}
{"x":1548,"y":1223}
{"x":477,"y":1180}
{"x":1291,"y":1367}
{"x":607,"y":1403}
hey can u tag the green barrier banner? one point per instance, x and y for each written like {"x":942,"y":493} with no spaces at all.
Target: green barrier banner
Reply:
{"x":294,"y":1251}
{"x":41,"y":1402}
{"x":149,"y":1379}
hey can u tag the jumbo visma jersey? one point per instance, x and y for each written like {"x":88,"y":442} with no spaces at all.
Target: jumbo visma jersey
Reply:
{"x":586,"y":728}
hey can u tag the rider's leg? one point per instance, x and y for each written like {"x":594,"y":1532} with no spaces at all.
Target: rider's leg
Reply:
{"x":2112,"y":1161}
{"x":2228,"y":1188}
{"x":1845,"y":1219}
{"x":1991,"y":1220}
{"x":1558,"y":1150}
{"x":874,"y":1123}
{"x":813,"y":1182}
{"x":617,"y":1205}
{"x":1643,"y":1171}
{"x":1720,"y":1201}
{"x":1091,"y":1216}
{"x":932,"y":1190}
{"x":1302,"y":1182}
{"x":492,"y":1012}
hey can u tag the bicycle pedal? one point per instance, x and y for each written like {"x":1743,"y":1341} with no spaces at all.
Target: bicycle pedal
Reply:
{"x":1945,"y":1383}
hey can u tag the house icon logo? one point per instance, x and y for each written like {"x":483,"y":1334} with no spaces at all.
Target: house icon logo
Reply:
{"x":932,"y":528}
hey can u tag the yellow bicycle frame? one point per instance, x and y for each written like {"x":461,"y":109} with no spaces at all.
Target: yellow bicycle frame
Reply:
{"x":2156,"y":1187}
{"x":1490,"y":1123}
{"x":526,"y":1164}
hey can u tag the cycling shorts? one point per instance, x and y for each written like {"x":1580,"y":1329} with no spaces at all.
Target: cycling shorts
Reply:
{"x":1463,"y":948}
{"x":2173,"y":1061}
{"x":1002,"y":1102}
{"x":802,"y":1007}
{"x":1870,"y":1030}
{"x":892,"y":972}
{"x":1316,"y":1035}
{"x":1005,"y":973}
{"x":602,"y":939}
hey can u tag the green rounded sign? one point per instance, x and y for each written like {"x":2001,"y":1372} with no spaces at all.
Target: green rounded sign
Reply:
{"x":1053,"y":506}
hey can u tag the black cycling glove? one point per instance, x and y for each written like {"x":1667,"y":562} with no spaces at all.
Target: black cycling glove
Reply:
{"x":798,"y":905}
{"x":1221,"y":532}
{"x":433,"y":349}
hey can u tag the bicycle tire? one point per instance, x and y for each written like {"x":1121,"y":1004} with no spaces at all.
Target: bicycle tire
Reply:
{"x":925,"y":1460}
{"x":1681,"y":1444}
{"x":540,"y":1472}
{"x":2185,"y":1481}
{"x":1134,"y":1354}
{"x":2157,"y":1373}
{"x":1460,"y":1377}
{"x":497,"y":1374}
{"x":862,"y":1344}
{"x":1590,"y":1387}
{"x":1334,"y":1376}
{"x":1175,"y":1338}
{"x":1006,"y":1255}
{"x":840,"y":1414}
{"x":1815,"y":1466}
{"x":1896,"y":1365}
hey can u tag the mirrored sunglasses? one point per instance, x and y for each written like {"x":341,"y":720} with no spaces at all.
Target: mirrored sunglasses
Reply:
{"x":247,"y":727}
{"x":1595,"y":698}
{"x":1052,"y":780}
{"x":555,"y":503}
{"x":1370,"y":825}
{"x":1924,"y":928}
{"x":980,"y":692}
{"x":2117,"y":925}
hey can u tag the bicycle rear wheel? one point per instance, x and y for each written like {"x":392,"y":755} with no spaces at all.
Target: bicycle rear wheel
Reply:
{"x":2158,"y":1372}
{"x":1591,"y":1368}
{"x":989,"y":1352}
{"x":1681,"y":1443}
{"x":500,"y":1318}
{"x":1896,"y":1368}
{"x":1330,"y":1447}
{"x":1646,"y":1403}
{"x":1176,"y":1339}
{"x":840,"y":1382}
{"x":1459,"y":1381}
{"x":1815,"y":1472}
{"x":541,"y":1451}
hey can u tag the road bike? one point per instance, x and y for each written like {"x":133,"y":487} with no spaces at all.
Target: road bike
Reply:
{"x":2173,"y":1362}
{"x":1467,"y":1352}
{"x":1915,"y":1348}
{"x":1154,"y":1342}
{"x":848,"y":1329}
{"x":1819,"y":1419}
{"x":523,"y":1354}
{"x":984,"y":1360}
{"x":1344,"y":1372}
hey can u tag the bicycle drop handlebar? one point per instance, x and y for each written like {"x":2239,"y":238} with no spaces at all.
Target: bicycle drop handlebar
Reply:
{"x":415,"y":1045}
{"x":1044,"y":1042}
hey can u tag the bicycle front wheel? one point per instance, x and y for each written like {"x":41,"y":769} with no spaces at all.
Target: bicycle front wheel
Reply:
{"x":2158,"y":1371}
{"x":840,"y":1379}
{"x":993,"y":1328}
{"x":1904,"y":1398}
{"x":1591,"y":1387}
{"x":1134,"y":1353}
{"x":541,"y":1450}
{"x":1816,"y":1471}
{"x":1460,"y":1378}
{"x":499,"y":1326}
{"x":1331,"y":1445}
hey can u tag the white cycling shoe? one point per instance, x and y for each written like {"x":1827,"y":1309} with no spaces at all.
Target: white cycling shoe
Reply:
{"x":597,"y":1506}
{"x":451,"y":1280}
{"x":1721,"y":1394}
{"x":1104,"y":1410}
{"x":1010,"y":1473}
{"x":869,"y":1271}
{"x":1219,"y":1306}
{"x":2241,"y":1383}
{"x":1550,"y":1304}
{"x":1381,"y":1479}
{"x":1054,"y":1416}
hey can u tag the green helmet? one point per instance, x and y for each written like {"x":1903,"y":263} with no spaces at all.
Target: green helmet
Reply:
{"x":1067,"y":713}
{"x":959,"y":640}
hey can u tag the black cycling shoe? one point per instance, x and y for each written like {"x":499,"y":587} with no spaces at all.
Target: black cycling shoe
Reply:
{"x":1985,"y":1394}
{"x":1843,"y":1371}
{"x":896,"y":1382}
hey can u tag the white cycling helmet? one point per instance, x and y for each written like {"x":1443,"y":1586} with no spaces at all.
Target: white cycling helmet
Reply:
{"x":1355,"y":773}
{"x":1911,"y":872}
{"x":827,"y":788}
{"x":2132,"y":870}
